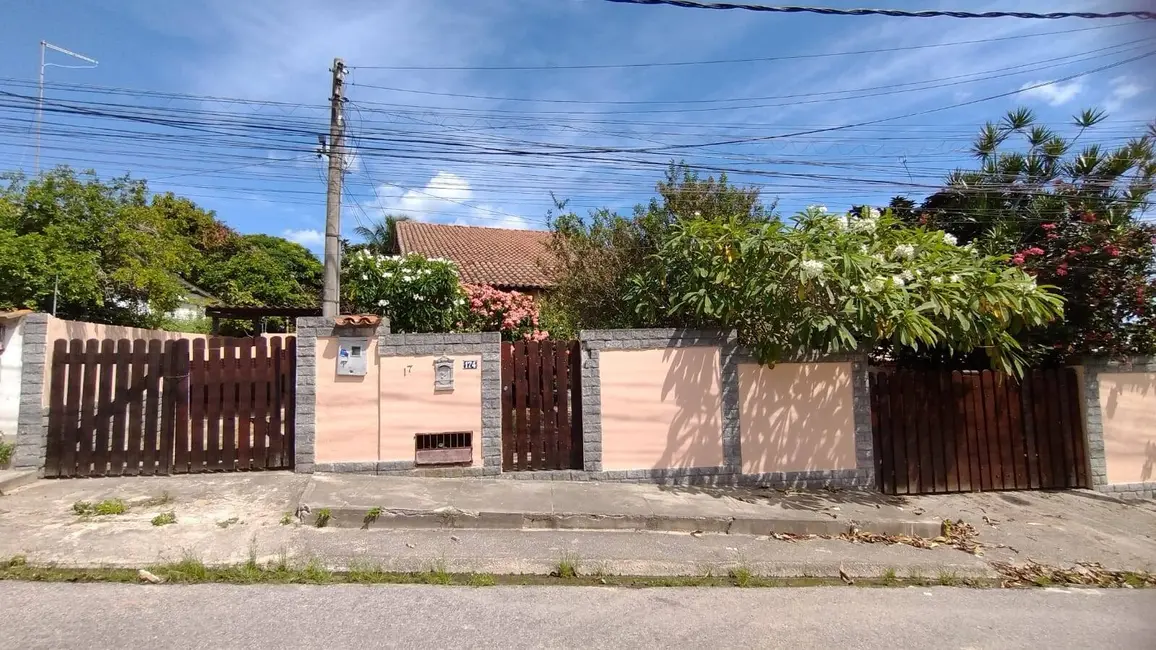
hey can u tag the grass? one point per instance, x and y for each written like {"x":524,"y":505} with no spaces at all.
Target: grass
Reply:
{"x":741,"y":576}
{"x":101,"y":508}
{"x":323,"y":517}
{"x":153,"y":502}
{"x":371,"y":516}
{"x":286,"y":519}
{"x":165,"y":518}
{"x":567,"y":566}
{"x":282,"y":570}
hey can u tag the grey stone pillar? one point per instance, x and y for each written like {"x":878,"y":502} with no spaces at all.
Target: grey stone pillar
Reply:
{"x":31,"y":425}
{"x":861,"y":411}
{"x":308,"y":329}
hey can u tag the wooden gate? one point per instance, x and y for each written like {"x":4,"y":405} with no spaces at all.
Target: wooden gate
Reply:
{"x":122,"y":408}
{"x":970,"y":431}
{"x":541,"y":405}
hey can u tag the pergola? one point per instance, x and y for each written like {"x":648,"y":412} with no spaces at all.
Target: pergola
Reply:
{"x":257,"y":314}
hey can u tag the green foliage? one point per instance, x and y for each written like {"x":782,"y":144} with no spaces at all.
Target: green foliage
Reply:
{"x":837,"y":283}
{"x":1069,"y":216}
{"x":165,"y":518}
{"x":100,"y":509}
{"x":323,"y":517}
{"x":194,"y":325}
{"x":598,"y":255}
{"x":417,"y":294}
{"x":6,"y":451}
{"x":109,"y":253}
{"x":381,"y":237}
{"x":259,"y":270}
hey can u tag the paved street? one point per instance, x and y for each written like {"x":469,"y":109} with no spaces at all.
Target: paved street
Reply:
{"x":218,"y":616}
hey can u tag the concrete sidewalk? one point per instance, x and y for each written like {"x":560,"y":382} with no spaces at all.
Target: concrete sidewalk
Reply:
{"x":393,"y":502}
{"x":228,"y":518}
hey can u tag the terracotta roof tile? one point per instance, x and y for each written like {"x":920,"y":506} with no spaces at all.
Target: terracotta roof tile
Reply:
{"x":494,"y":256}
{"x":358,"y":320}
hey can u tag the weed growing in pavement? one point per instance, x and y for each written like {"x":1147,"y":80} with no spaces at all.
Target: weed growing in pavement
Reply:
{"x":371,"y":516}
{"x":165,"y":518}
{"x":741,"y":576}
{"x":225,"y":523}
{"x":100,"y":509}
{"x":482,"y":580}
{"x":364,"y":572}
{"x":948,"y":578}
{"x":323,"y":517}
{"x":889,"y":577}
{"x":316,"y":572}
{"x":286,"y":519}
{"x":437,"y":574}
{"x":567,"y":566}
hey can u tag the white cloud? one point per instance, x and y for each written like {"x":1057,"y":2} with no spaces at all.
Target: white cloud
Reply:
{"x":1123,"y":89}
{"x":307,"y":237}
{"x":445,"y":192}
{"x":1054,"y":94}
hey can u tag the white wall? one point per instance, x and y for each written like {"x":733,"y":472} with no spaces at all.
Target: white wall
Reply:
{"x":10,"y":366}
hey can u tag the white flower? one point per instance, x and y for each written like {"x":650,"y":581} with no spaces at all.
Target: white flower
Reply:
{"x":937,"y":280}
{"x":839,"y":223}
{"x":697,"y":213}
{"x":872,"y":213}
{"x":898,"y":281}
{"x":811,"y":269}
{"x":875,"y":285}
{"x":954,"y":278}
{"x":878,"y":257}
{"x":406,"y":278}
{"x":863,"y":249}
{"x":460,"y":301}
{"x":417,"y":297}
{"x":904,"y":252}
{"x":908,"y":276}
{"x":821,"y":209}
{"x":949,"y":239}
{"x":918,"y":273}
{"x":383,"y":303}
{"x":970,"y":248}
{"x":364,"y":276}
{"x":863,"y":225}
{"x":387,"y":274}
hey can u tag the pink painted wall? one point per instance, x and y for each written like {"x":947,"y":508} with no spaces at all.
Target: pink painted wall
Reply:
{"x":409,"y":404}
{"x":796,"y":417}
{"x":661,"y":408}
{"x":1128,"y":408}
{"x":347,"y":411}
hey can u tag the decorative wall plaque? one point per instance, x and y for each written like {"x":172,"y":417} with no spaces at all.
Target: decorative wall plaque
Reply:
{"x":443,"y":374}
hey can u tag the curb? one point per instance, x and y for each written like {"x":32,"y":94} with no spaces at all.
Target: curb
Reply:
{"x":12,"y":479}
{"x":450,"y":517}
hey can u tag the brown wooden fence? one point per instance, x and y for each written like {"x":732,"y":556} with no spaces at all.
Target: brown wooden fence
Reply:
{"x":541,"y":405}
{"x":150,"y":407}
{"x":969,"y":431}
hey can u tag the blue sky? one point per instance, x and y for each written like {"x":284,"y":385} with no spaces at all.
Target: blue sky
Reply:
{"x":421,"y":151}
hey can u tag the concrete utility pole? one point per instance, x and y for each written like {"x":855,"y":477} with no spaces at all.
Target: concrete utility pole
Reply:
{"x":331,"y":301}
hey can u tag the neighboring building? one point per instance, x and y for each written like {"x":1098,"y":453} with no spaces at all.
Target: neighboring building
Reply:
{"x":504,"y":259}
{"x":11,"y":346}
{"x":193,"y":302}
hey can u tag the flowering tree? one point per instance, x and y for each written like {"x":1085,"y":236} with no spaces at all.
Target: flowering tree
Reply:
{"x":417,"y":294}
{"x":1072,"y":218}
{"x":842,"y":282}
{"x":512,"y":313}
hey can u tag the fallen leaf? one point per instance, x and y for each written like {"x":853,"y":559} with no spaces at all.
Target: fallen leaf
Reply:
{"x":411,"y":544}
{"x":697,"y":533}
{"x":150,"y":577}
{"x":918,"y":511}
{"x":455,"y":538}
{"x":846,"y":578}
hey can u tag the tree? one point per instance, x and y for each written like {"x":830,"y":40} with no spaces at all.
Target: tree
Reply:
{"x":417,"y":294}
{"x":1070,"y":218}
{"x":594,"y":258}
{"x":381,"y":237}
{"x":835,"y":283}
{"x":99,"y":247}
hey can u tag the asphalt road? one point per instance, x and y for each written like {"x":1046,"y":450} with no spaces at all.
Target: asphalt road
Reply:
{"x":218,"y":616}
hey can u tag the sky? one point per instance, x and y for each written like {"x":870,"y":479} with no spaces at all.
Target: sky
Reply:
{"x":223,"y":101}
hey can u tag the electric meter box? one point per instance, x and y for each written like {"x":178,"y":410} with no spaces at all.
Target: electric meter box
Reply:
{"x":351,"y":356}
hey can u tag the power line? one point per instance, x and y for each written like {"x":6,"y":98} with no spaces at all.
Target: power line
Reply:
{"x":894,"y":13}
{"x":764,"y":59}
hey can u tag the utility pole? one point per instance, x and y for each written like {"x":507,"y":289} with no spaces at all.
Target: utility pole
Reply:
{"x":331,"y":300}
{"x":40,"y":102}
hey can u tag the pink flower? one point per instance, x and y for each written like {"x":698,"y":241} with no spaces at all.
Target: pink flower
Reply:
{"x":1053,"y":235}
{"x":1049,"y":226}
{"x":1112,"y":251}
{"x":1018,"y":260}
{"x":1034,"y":250}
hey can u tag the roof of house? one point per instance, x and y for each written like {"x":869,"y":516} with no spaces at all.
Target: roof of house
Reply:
{"x":495,"y":256}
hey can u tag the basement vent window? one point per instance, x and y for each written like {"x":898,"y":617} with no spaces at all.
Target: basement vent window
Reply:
{"x":446,"y":448}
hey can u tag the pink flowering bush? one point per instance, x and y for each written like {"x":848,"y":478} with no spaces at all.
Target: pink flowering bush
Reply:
{"x":512,"y":313}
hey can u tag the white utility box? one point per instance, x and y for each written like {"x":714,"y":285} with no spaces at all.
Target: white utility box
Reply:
{"x":351,"y":356}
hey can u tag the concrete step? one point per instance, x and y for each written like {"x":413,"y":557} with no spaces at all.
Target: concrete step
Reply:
{"x":10,"y":479}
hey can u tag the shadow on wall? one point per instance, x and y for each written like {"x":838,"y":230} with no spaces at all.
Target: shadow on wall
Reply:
{"x":1122,"y":382}
{"x":692,"y":384}
{"x":796,"y":417}
{"x":1129,"y":425}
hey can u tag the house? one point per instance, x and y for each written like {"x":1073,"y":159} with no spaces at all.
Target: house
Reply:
{"x":502,"y":258}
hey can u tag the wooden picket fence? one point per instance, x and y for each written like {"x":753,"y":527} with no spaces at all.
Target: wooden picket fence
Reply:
{"x":124,"y":408}
{"x":969,"y":431}
{"x":541,"y":405}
